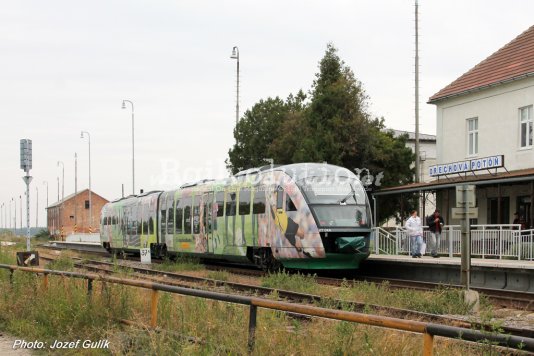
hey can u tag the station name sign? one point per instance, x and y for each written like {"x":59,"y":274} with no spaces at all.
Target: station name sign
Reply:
{"x":467,"y":166}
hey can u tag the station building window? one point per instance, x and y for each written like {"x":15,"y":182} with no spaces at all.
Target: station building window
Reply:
{"x":525,"y":119}
{"x":472,"y":136}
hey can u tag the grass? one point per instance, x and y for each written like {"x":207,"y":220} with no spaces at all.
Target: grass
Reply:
{"x":182,"y":263}
{"x":219,"y":275}
{"x":291,"y":281}
{"x":66,"y":312}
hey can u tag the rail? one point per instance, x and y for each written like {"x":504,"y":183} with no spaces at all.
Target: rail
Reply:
{"x":428,"y":330}
{"x":487,"y":241}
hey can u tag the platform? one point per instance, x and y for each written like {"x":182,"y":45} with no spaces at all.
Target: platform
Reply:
{"x":485,"y":273}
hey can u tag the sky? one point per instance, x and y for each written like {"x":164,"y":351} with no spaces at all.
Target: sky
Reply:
{"x":66,"y":66}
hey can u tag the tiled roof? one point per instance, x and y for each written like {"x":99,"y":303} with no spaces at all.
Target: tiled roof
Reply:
{"x":513,"y":61}
{"x":70,"y":196}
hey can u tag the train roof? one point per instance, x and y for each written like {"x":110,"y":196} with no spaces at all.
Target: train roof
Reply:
{"x":299,"y":171}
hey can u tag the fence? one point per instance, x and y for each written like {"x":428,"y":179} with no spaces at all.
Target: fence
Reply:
{"x":428,"y":330}
{"x":487,"y":241}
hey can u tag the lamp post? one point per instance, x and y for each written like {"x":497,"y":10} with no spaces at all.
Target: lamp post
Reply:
{"x":20,"y":197}
{"x":235,"y":55}
{"x":15,"y":216}
{"x":90,"y":201}
{"x":10,"y":221}
{"x":2,"y":214}
{"x":62,"y":179}
{"x":133,"y":143}
{"x":58,"y":189}
{"x":46,"y":183}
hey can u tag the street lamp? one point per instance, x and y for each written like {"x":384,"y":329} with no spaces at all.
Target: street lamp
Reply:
{"x":235,"y":55}
{"x":15,"y":216}
{"x":62,"y":180}
{"x":20,"y":197}
{"x":10,"y":221}
{"x":46,"y":183}
{"x":133,"y":144}
{"x":2,"y":214}
{"x":90,"y":201}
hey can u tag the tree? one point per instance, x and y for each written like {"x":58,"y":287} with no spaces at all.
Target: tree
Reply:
{"x":333,"y":126}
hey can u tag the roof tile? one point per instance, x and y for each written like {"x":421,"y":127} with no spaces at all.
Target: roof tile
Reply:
{"x":514,"y":60}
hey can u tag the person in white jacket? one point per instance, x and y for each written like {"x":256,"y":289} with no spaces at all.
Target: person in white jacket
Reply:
{"x":415,"y":231}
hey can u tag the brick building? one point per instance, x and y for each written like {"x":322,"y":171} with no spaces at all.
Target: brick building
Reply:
{"x":72,"y":214}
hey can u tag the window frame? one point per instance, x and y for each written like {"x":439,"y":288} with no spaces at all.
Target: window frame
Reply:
{"x":472,"y":137}
{"x":529,"y":121}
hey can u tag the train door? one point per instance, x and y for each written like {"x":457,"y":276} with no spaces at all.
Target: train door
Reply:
{"x":230,"y":211}
{"x":207,"y":220}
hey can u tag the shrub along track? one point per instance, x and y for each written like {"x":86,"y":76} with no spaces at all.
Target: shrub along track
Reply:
{"x":189,"y":281}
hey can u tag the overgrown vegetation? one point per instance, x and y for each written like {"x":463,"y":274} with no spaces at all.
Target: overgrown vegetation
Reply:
{"x":291,"y":281}
{"x":65,"y":311}
{"x":62,"y":263}
{"x":179,"y":264}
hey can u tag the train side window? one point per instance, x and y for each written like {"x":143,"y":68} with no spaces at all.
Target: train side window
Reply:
{"x":279,"y":198}
{"x":150,"y":226}
{"x":290,"y":206}
{"x":230,"y":204}
{"x":196,"y":216}
{"x":244,"y":201}
{"x":139,"y":227}
{"x":178,"y":220}
{"x":187,"y":219}
{"x":170,"y":221}
{"x":163,"y":220}
{"x":219,"y":200}
{"x":258,"y":206}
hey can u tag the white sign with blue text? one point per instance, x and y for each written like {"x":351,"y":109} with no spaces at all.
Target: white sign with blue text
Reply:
{"x":476,"y":164}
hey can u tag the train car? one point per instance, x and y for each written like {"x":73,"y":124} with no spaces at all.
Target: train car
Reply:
{"x":306,"y":216}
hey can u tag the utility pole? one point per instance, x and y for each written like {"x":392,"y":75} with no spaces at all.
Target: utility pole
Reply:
{"x":36,"y":207}
{"x":417,"y":172}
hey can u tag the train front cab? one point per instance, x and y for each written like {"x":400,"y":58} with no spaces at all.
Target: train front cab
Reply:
{"x":341,"y":210}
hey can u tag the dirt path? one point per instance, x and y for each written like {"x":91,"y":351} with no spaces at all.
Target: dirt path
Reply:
{"x":6,"y":347}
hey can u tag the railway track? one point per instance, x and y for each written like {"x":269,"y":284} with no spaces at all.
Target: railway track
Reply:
{"x":188,"y":281}
{"x":499,"y":297}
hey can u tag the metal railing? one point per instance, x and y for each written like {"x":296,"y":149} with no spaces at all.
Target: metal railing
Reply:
{"x":383,"y":242}
{"x":428,"y":330}
{"x":487,"y":241}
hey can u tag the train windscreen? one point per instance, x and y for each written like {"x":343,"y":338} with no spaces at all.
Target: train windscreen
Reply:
{"x":337,"y":201}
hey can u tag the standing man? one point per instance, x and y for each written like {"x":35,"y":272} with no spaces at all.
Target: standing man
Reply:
{"x":435,"y":225}
{"x":415,"y":230}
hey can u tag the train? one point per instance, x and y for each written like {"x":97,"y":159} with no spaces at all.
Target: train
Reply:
{"x":296,"y":216}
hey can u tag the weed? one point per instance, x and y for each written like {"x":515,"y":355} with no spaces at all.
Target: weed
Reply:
{"x":182,"y":263}
{"x":63,"y":263}
{"x":219,"y":275}
{"x":291,"y":281}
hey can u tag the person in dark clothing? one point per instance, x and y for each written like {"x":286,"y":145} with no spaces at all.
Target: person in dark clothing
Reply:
{"x":435,"y":224}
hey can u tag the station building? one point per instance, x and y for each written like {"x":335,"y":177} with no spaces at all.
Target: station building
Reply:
{"x":73,"y":214}
{"x":484,"y":137}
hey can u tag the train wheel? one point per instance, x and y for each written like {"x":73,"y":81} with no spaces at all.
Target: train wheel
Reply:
{"x":264,"y":259}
